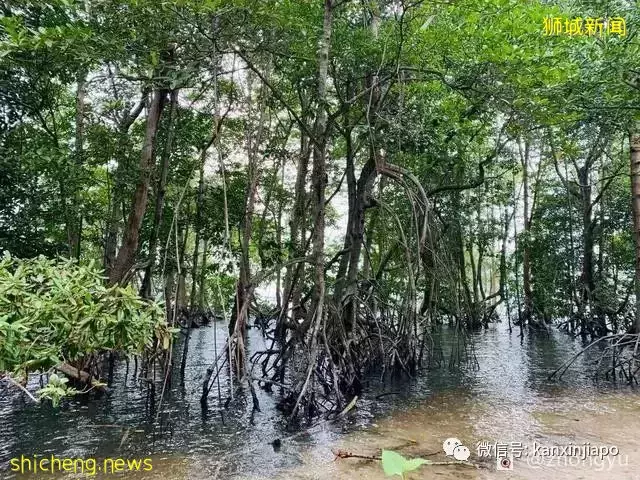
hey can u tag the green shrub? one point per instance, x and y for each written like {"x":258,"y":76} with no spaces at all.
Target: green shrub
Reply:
{"x":57,"y":310}
{"x":56,"y":390}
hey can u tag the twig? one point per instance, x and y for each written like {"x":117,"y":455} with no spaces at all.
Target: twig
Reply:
{"x":271,"y":382}
{"x":347,"y":454}
{"x":22,"y":388}
{"x":352,"y":404}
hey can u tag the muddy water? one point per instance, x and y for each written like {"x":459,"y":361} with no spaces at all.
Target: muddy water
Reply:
{"x":506,"y":399}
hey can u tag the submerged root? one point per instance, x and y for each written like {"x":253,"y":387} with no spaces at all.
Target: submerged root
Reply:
{"x":318,"y":376}
{"x":619,"y":358}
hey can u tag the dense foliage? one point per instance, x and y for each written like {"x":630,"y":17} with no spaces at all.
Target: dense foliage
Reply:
{"x":54,"y":311}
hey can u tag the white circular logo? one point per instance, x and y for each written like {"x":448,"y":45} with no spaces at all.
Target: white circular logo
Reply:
{"x":450,"y":444}
{"x":461,"y":453}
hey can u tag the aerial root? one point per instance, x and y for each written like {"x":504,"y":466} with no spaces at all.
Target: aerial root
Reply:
{"x":618,"y":359}
{"x":327,"y":380}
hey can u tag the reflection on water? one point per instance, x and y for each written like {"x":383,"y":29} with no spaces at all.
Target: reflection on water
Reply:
{"x":507,"y":398}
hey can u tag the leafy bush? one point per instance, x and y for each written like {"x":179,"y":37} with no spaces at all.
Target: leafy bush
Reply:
{"x":58,"y":310}
{"x":56,"y":390}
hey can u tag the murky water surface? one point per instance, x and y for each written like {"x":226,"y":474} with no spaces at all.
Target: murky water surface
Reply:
{"x":507,"y":400}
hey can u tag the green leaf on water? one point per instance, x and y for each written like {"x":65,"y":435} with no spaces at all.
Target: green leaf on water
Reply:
{"x":414,"y":464}
{"x":395,"y":464}
{"x":392,"y":463}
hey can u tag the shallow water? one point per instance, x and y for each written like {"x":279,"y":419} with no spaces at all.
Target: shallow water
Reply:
{"x":506,"y":399}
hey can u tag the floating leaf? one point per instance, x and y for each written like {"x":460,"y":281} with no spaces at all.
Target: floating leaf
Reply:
{"x":395,"y":464}
{"x":414,"y":464}
{"x":392,"y":463}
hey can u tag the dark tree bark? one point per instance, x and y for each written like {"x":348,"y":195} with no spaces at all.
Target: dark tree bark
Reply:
{"x":356,"y":239}
{"x":161,"y":189}
{"x":319,"y":170}
{"x":588,"y":225}
{"x":243,"y":286}
{"x":126,"y":256}
{"x":203,"y":274}
{"x":169,"y":292}
{"x":198,"y":229}
{"x":295,"y":272}
{"x":527,"y":312}
{"x":360,"y":193}
{"x":341,"y":277}
{"x":111,"y":236}
{"x":279,"y":240}
{"x":634,"y":142}
{"x":181,"y":289}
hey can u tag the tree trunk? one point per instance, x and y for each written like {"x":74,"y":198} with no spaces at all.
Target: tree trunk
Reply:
{"x":145,"y":290}
{"x":295,"y":272}
{"x":126,"y":256}
{"x":243,"y":287}
{"x":319,"y":170}
{"x":198,"y":229}
{"x":460,"y":248}
{"x":111,"y":237}
{"x":279,"y":239}
{"x":193,"y":298}
{"x":474,"y":271}
{"x":341,"y":276}
{"x":169,"y":291}
{"x":111,"y":234}
{"x":181,"y":291}
{"x":526,"y":248}
{"x":202,"y":300}
{"x":356,"y":234}
{"x":503,"y":258}
{"x":360,"y":192}
{"x":572,"y":290}
{"x":472,"y":321}
{"x":588,"y":284}
{"x":634,"y":142}
{"x":76,"y":210}
{"x":314,"y":321}
{"x":515,"y":263}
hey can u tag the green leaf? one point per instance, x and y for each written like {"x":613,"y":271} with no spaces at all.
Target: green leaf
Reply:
{"x":414,"y":464}
{"x":393,"y":463}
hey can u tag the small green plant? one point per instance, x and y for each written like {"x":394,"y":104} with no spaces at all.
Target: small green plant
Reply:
{"x":395,"y":464}
{"x":56,"y":389}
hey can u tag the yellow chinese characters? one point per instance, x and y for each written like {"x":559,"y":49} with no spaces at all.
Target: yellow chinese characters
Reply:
{"x":594,"y":26}
{"x":617,"y":26}
{"x":573,"y":26}
{"x":553,"y":26}
{"x":588,"y":26}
